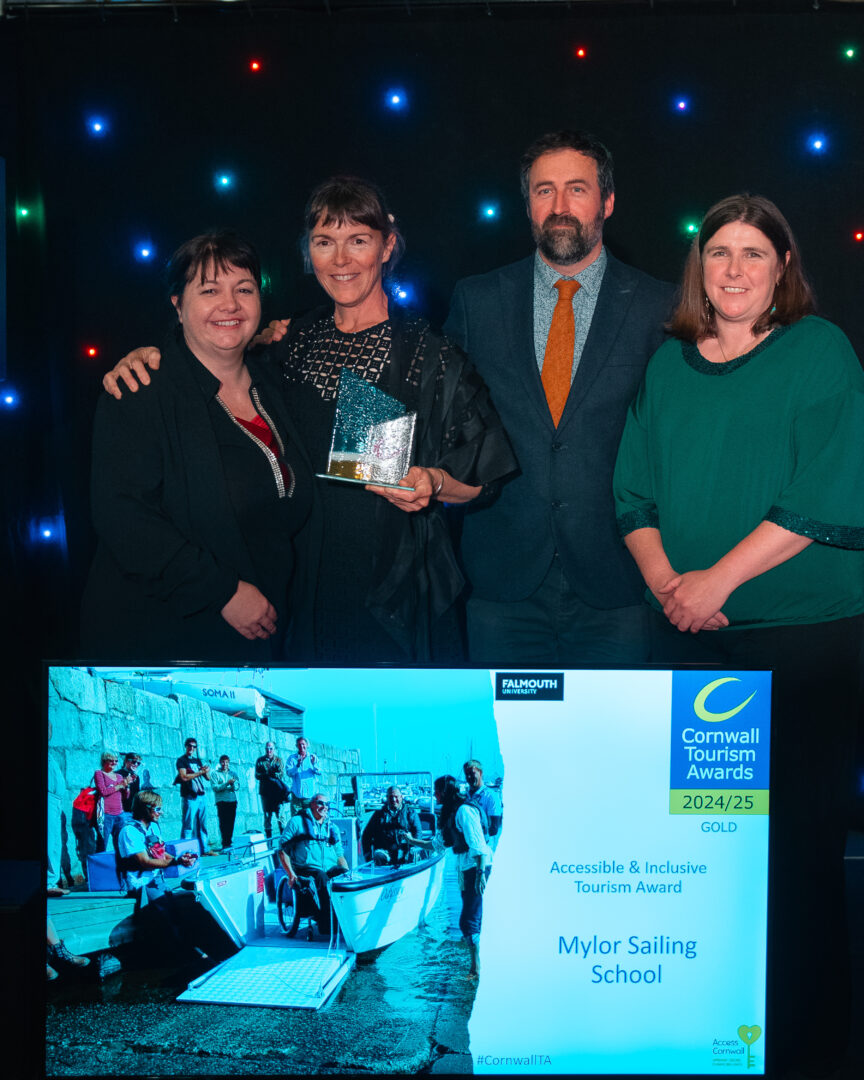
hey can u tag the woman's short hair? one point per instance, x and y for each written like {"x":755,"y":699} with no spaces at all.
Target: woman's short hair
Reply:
{"x":213,"y":250}
{"x":144,"y":801}
{"x":107,"y":755}
{"x":345,"y":199}
{"x":693,"y":318}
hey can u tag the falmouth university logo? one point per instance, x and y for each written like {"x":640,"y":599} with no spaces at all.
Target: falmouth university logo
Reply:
{"x":529,"y":686}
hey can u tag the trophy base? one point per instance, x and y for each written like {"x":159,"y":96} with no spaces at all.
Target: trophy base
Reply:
{"x":365,"y":483}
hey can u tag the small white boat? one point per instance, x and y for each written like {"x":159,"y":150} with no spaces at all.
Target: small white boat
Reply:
{"x":377,"y":905}
{"x":374,"y":906}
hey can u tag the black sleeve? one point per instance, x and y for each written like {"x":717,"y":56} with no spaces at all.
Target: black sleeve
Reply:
{"x":127,"y":485}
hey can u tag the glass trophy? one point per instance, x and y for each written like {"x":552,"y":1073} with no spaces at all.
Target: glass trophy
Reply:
{"x":373,"y":435}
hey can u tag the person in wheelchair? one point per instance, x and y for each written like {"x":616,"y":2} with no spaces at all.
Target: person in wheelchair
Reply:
{"x":312,"y":848}
{"x":391,"y":833}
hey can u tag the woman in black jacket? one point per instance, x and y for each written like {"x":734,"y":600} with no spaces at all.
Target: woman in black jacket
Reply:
{"x":387,"y":583}
{"x":200,"y":487}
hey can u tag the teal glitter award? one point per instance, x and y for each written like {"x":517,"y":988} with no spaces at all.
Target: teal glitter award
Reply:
{"x":373,"y":435}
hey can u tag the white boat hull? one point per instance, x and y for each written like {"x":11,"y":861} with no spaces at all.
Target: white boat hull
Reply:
{"x":376,"y":906}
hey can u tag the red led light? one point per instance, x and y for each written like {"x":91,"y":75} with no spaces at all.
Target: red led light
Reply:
{"x":254,"y":65}
{"x":580,"y":52}
{"x":92,"y":350}
{"x":859,"y":236}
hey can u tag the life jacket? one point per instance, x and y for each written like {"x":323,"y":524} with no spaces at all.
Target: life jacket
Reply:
{"x":388,"y":825}
{"x":307,"y":835}
{"x":453,"y":835}
{"x":128,"y":863}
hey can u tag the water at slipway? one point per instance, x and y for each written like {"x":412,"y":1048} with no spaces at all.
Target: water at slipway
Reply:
{"x":406,"y":1011}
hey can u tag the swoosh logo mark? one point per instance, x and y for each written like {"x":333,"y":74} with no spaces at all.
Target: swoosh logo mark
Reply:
{"x":699,"y":706}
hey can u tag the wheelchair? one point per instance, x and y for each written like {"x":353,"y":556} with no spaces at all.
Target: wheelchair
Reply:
{"x":295,"y":903}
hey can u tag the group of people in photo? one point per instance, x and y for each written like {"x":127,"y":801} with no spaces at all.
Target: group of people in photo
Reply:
{"x":608,"y":470}
{"x":105,"y":806}
{"x":124,"y":820}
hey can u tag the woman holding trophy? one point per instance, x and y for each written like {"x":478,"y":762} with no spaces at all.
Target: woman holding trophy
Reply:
{"x":387,"y":579}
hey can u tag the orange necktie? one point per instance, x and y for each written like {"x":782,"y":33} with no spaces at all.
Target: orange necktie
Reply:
{"x":558,"y":358}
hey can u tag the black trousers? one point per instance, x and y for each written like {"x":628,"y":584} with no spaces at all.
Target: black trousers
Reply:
{"x":320,"y":881}
{"x":816,"y":706}
{"x":227,"y":812}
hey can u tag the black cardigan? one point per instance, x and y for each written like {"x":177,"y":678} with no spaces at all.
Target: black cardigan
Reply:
{"x":171,"y":549}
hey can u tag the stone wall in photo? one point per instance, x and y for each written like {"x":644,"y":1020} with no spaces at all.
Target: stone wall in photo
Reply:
{"x":89,"y":714}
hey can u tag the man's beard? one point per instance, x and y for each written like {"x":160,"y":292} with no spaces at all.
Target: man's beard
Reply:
{"x":570,"y":245}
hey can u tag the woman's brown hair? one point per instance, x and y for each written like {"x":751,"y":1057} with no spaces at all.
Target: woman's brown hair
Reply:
{"x":793,"y":298}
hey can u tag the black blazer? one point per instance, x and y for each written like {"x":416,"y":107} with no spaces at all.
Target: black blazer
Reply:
{"x":171,"y":549}
{"x":562,"y":499}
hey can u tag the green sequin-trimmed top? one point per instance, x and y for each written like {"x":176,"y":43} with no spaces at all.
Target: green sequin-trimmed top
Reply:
{"x":711,"y":450}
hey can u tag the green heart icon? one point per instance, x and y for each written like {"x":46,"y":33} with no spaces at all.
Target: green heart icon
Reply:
{"x":749,"y":1035}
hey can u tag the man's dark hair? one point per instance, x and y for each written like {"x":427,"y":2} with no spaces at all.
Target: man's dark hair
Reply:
{"x":211,"y":251}
{"x":580,"y":141}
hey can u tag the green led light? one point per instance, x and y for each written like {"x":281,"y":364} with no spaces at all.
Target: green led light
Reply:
{"x":691,"y":228}
{"x":850,"y":53}
{"x":23,"y":211}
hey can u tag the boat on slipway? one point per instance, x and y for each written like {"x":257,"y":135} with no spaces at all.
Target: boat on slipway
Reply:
{"x":254,"y":906}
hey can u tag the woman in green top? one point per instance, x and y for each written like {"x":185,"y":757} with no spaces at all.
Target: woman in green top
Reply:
{"x":740,"y":494}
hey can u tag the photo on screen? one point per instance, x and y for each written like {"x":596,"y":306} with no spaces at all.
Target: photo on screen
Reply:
{"x":536,"y":872}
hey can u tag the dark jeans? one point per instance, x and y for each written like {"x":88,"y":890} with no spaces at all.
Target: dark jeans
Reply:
{"x":271,"y":810}
{"x":111,"y":826}
{"x":227,"y":812}
{"x":471,"y":915}
{"x":553,"y":627}
{"x":816,"y":703}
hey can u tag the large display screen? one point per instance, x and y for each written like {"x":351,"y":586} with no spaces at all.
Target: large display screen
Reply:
{"x":624,"y":916}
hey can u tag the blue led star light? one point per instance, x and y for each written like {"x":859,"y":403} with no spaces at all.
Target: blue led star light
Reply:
{"x":682,"y":105}
{"x":489,"y":211}
{"x":144,"y":251}
{"x":223,"y":181}
{"x":97,"y":126}
{"x":817,"y":143}
{"x":402,"y":292}
{"x":9,"y":399}
{"x":396,"y":99}
{"x":47,"y":530}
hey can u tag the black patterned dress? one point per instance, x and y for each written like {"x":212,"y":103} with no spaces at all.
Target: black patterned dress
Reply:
{"x":388,"y":582}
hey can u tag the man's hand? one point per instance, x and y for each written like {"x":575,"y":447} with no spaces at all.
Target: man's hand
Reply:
{"x":250,"y":612}
{"x":480,"y":881}
{"x":275,"y":330}
{"x":187,"y":858}
{"x":133,"y":364}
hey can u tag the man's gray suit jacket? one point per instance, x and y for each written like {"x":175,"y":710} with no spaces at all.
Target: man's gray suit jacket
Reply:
{"x":561,"y":500}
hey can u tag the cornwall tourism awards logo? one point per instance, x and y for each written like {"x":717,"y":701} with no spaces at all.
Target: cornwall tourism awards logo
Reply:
{"x":720,"y":742}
